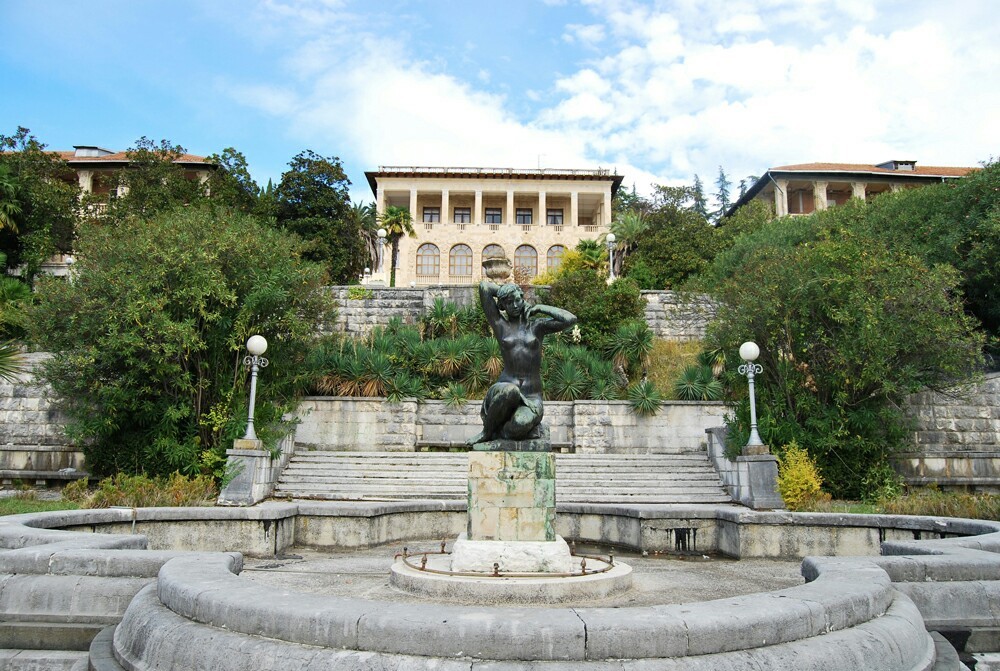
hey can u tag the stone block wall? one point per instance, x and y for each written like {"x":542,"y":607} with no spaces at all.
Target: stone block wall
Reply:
{"x":675,"y":316}
{"x":348,"y":424}
{"x":611,"y":426}
{"x":33,"y":445}
{"x":956,"y":441}
{"x":670,"y":315}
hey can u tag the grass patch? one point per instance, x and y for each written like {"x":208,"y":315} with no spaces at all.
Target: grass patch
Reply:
{"x":930,"y":501}
{"x":28,"y":502}
{"x":667,"y":361}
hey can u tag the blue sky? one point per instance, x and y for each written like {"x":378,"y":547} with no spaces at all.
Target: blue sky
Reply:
{"x":659,"y":90}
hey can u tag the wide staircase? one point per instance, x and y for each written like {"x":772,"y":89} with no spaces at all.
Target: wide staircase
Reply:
{"x":580,"y":478}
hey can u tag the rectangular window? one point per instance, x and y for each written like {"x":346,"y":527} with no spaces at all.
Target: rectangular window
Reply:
{"x":463,"y":215}
{"x":524,"y":216}
{"x":432,"y":215}
{"x":554,"y":217}
{"x":494,"y":215}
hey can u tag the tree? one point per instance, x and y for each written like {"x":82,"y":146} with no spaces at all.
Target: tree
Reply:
{"x":151,"y":183}
{"x":629,"y":229}
{"x":723,"y":184}
{"x":698,"y":196}
{"x":957,"y":223}
{"x":312,"y":201}
{"x":43,"y":202}
{"x":9,"y":205}
{"x":600,"y":307}
{"x":366,"y":219}
{"x":230,"y":183}
{"x":148,"y":338}
{"x":397,"y":222}
{"x":847,"y":327}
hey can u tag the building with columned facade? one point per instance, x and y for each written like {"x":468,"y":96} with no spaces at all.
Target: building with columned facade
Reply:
{"x":808,"y":187}
{"x":463,"y":215}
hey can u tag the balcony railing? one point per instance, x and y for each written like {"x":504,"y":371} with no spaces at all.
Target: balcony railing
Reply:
{"x":557,"y":172}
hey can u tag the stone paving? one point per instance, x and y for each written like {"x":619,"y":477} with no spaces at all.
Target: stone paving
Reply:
{"x":657,"y":579}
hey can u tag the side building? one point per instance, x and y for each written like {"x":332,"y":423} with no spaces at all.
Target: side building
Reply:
{"x":807,"y":187}
{"x":463,"y":215}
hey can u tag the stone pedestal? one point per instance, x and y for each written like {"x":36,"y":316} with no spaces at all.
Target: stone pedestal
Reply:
{"x":512,"y":557}
{"x":512,"y":496}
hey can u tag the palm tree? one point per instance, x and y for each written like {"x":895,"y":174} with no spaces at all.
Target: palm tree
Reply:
{"x":11,"y":362}
{"x":9,"y":207}
{"x":397,"y":222}
{"x":363,"y":215}
{"x":628,"y":229}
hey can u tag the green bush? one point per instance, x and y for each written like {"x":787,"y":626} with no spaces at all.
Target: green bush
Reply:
{"x":847,"y":327}
{"x":799,"y":481}
{"x":148,"y":338}
{"x":600,"y":307}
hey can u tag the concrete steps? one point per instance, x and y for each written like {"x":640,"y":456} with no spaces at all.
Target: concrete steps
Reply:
{"x":42,"y":660}
{"x":597,"y":478}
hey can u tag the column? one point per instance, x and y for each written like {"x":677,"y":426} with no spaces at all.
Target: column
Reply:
{"x":819,"y":195}
{"x":858,"y":190}
{"x":574,"y":209}
{"x":541,"y":208}
{"x":509,"y":217}
{"x":413,"y":205}
{"x":606,"y":214}
{"x":379,"y":201}
{"x":445,"y":216}
{"x":780,"y":197}
{"x":477,"y":209}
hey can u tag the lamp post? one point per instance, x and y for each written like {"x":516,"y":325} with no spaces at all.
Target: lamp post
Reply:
{"x":256,"y":345}
{"x":749,"y":353}
{"x":611,"y":257}
{"x":379,"y":262}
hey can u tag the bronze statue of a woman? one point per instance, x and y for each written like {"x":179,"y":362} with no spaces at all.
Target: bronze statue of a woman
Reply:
{"x":512,"y":408}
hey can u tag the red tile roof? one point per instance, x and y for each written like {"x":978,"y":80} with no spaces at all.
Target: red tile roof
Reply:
{"x":862,"y":167}
{"x":120,"y":157}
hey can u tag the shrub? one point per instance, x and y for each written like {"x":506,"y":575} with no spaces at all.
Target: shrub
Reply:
{"x":148,"y":338}
{"x":847,"y":327}
{"x":644,"y":398}
{"x":600,"y":307}
{"x":799,"y":481}
{"x":142,"y":491}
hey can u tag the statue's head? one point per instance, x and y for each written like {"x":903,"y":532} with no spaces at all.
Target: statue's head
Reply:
{"x":510,"y":299}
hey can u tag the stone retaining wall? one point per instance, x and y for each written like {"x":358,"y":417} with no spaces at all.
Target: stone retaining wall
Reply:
{"x":957,"y":439}
{"x":351,"y":424}
{"x":33,"y":446}
{"x":670,"y":315}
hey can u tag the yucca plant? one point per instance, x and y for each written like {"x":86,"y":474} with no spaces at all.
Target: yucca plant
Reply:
{"x":403,"y":385}
{"x":568,"y":382}
{"x":644,"y":398}
{"x":455,"y":395}
{"x":492,"y":358}
{"x":378,"y":371}
{"x":11,"y":362}
{"x":697,"y":383}
{"x":630,"y":345}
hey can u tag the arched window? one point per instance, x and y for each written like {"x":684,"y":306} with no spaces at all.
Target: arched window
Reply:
{"x":553,"y":259}
{"x":428,"y":260}
{"x":526,"y":258}
{"x":460,"y":261}
{"x":492,"y":250}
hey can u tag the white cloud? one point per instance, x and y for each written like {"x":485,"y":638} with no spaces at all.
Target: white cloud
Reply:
{"x":669,"y":92}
